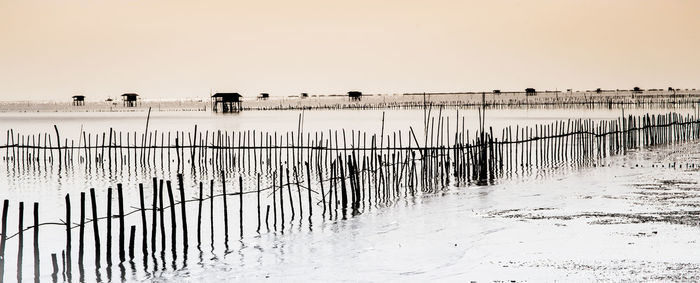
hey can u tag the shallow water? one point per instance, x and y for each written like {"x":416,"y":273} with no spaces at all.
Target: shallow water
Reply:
{"x":563,"y":216}
{"x":29,"y":180}
{"x":70,"y":123}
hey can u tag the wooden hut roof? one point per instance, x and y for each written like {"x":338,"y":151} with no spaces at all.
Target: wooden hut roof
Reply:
{"x":227,"y":95}
{"x":130,"y":94}
{"x":79,"y":96}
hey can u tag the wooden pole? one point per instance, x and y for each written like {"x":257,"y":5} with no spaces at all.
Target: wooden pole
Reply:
{"x":199,"y":217}
{"x":211,"y":211}
{"x":223,"y":184}
{"x":258,"y":202}
{"x":68,"y":239}
{"x":173,"y":224}
{"x":162,"y":218}
{"x":37,"y":269}
{"x":109,"y":226}
{"x":267,"y":216}
{"x":3,"y":238}
{"x":281,"y":201}
{"x":132,"y":235}
{"x":240,"y":204}
{"x":81,"y":235}
{"x":144,"y":237}
{"x":95,"y":227}
{"x":308,"y":186}
{"x":54,"y":273}
{"x":120,"y":198}
{"x":183,"y":212}
{"x":154,"y":213}
{"x":58,"y":144}
{"x":20,"y":249}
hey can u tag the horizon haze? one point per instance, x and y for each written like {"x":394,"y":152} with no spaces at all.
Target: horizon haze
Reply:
{"x":160,"y":49}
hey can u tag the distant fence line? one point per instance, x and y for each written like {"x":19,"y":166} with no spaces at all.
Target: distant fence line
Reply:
{"x":541,"y":99}
{"x":339,"y":177}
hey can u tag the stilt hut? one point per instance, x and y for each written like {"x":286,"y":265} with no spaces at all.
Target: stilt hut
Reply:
{"x":263,"y":96}
{"x":130,"y":99}
{"x":226,"y":102}
{"x":530,"y":91}
{"x":78,"y":100}
{"x":355,"y":95}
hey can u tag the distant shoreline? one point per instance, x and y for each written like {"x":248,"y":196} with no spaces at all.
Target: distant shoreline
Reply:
{"x":569,"y":99}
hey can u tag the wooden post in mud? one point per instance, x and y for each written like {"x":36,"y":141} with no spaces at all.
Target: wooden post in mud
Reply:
{"x":154,"y":213}
{"x":211,"y":211}
{"x":223,"y":184}
{"x":258,"y":202}
{"x":37,"y":268}
{"x":162,"y":217}
{"x":344,"y":194}
{"x":199,"y":217}
{"x":3,"y":237}
{"x":296,"y":180}
{"x":68,"y":238}
{"x":274,"y":200}
{"x":331,"y":193}
{"x":81,"y":234}
{"x":95,"y":227}
{"x":289,"y":193}
{"x":323,"y":193}
{"x":144,"y":229}
{"x":173,"y":224}
{"x":120,"y":198}
{"x":132,"y":235}
{"x":54,"y":265}
{"x":267,"y":216}
{"x":58,"y":143}
{"x":109,"y":226}
{"x":240,"y":204}
{"x":20,"y":246}
{"x":308,"y":187}
{"x":183,"y":213}
{"x":281,"y":202}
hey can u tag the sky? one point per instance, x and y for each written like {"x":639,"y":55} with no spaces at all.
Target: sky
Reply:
{"x":53,"y":49}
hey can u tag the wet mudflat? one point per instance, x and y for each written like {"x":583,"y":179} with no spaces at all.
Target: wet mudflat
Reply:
{"x":630,"y":219}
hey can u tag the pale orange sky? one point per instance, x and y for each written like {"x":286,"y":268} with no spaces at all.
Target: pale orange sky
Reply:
{"x":170,"y":48}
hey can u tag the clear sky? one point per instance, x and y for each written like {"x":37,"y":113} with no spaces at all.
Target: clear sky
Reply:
{"x":53,"y":49}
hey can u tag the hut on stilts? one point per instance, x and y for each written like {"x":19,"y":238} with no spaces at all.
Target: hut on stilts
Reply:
{"x":130,"y":99}
{"x":226,"y":102}
{"x":355,"y":95}
{"x":530,"y":91}
{"x":78,"y":100}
